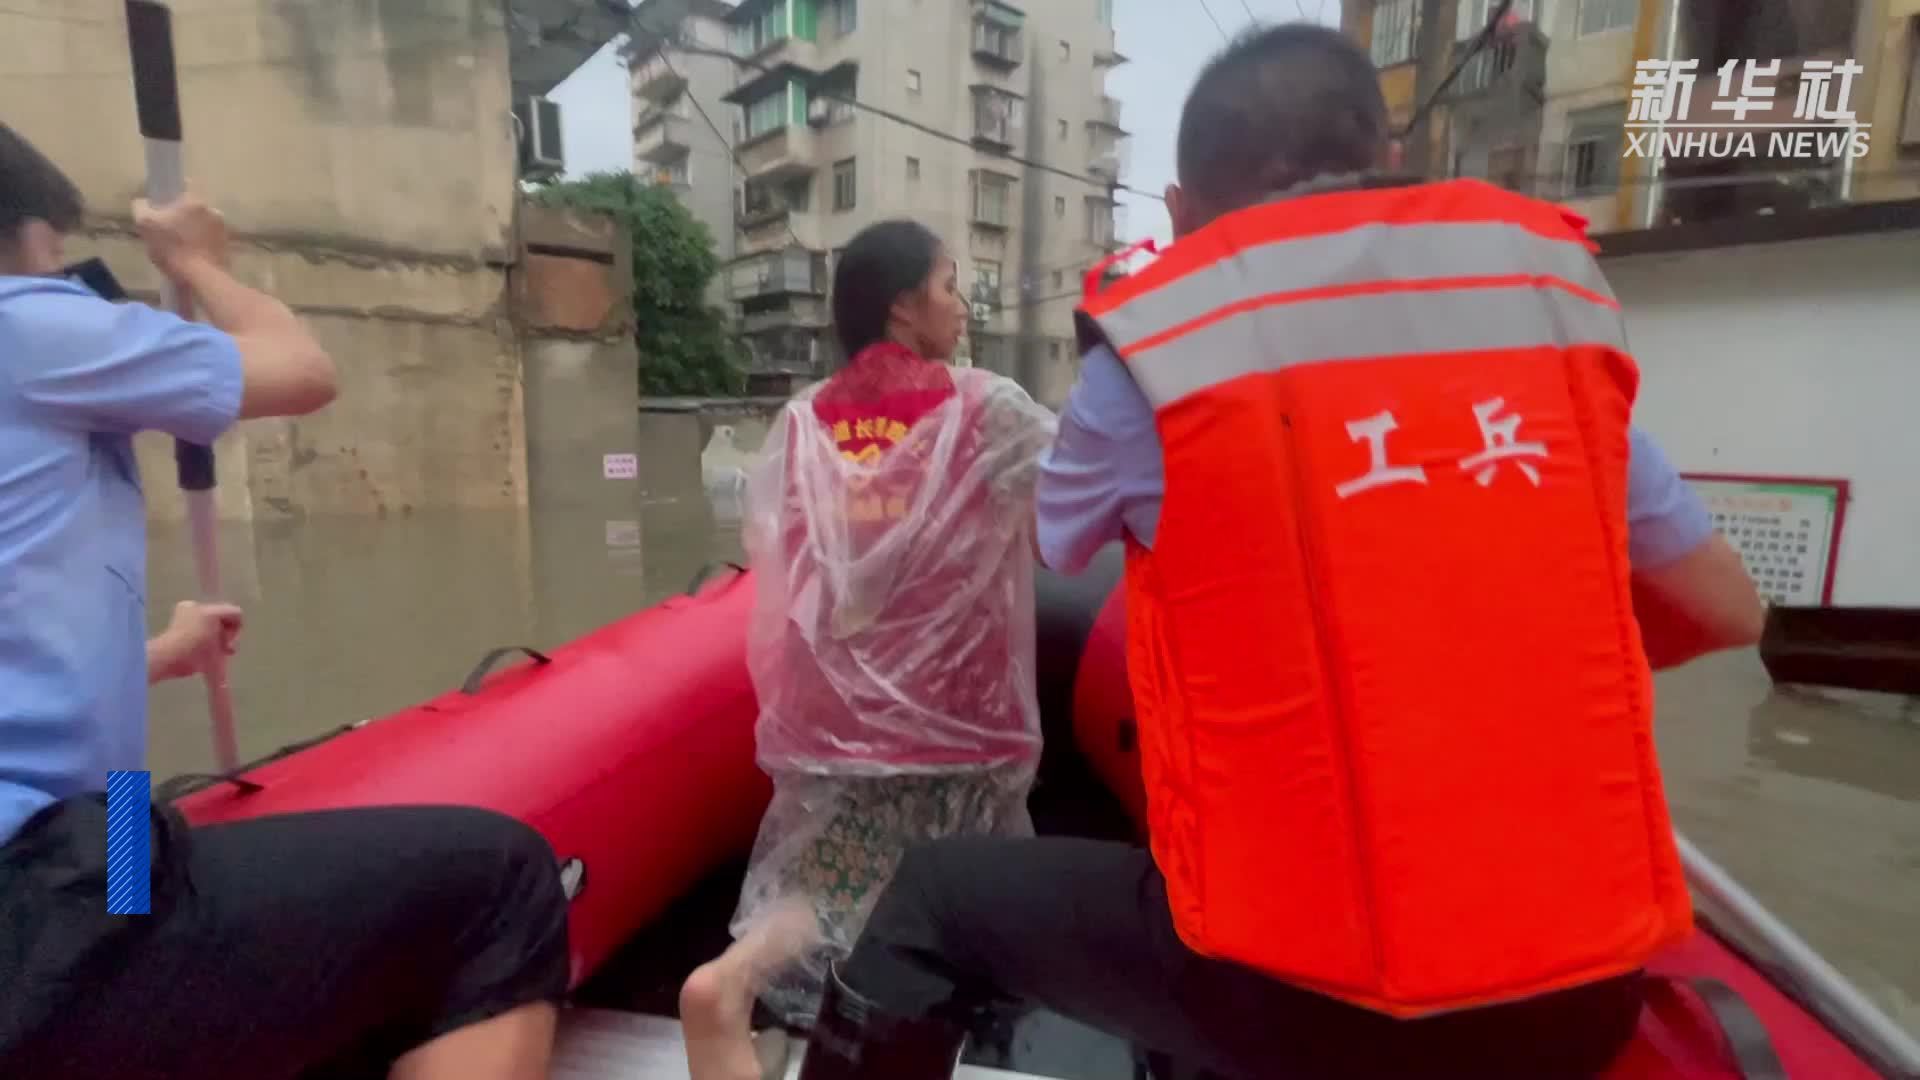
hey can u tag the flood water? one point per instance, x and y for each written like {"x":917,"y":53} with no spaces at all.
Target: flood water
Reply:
{"x":1813,"y":803}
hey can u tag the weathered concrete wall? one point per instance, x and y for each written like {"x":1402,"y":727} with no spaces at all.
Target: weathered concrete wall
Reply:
{"x":571,"y":292}
{"x":363,"y":153}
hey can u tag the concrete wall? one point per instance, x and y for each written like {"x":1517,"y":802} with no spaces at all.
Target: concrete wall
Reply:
{"x":1793,"y":359}
{"x":363,"y":154}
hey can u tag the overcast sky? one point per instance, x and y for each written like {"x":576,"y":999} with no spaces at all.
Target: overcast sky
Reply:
{"x":1165,"y":40}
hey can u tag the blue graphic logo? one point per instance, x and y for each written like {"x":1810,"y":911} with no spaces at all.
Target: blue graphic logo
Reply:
{"x":129,"y":843}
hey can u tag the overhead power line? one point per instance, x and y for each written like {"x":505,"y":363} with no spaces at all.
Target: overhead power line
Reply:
{"x":724,"y":141}
{"x":1216,"y":20}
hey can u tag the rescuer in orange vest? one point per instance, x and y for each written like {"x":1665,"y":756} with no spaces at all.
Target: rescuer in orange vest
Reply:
{"x":1367,"y":443}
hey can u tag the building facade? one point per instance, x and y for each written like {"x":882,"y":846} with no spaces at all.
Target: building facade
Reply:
{"x":677,"y":76}
{"x":1548,"y":109}
{"x":948,"y":93}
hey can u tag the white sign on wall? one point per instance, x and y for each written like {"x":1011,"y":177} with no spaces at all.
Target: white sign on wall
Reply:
{"x":1787,"y":530}
{"x":620,"y":466}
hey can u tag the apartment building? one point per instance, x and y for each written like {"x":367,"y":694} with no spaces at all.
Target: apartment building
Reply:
{"x":677,"y":74}
{"x":949,"y":92}
{"x":1546,"y":110}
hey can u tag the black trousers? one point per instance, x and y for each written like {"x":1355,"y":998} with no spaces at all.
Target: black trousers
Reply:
{"x":1083,"y":928}
{"x":324,"y":944}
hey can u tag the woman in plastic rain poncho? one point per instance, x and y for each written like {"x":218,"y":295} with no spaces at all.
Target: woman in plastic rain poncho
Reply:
{"x":889,"y":523}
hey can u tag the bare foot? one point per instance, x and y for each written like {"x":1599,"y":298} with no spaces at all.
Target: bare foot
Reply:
{"x":716,"y":1003}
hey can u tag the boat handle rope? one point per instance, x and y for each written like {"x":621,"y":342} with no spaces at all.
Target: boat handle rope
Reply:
{"x":708,"y":571}
{"x":478,"y":677}
{"x":179,"y":787}
{"x":1745,"y":1034}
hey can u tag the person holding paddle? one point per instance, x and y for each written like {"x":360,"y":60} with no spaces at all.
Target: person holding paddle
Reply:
{"x":1398,"y":571}
{"x":429,"y":940}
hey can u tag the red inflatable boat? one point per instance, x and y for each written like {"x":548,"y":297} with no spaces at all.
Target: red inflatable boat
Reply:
{"x":631,"y":751}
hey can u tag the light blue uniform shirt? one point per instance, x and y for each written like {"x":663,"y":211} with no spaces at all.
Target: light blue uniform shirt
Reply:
{"x":1104,"y":478}
{"x":79,"y":376}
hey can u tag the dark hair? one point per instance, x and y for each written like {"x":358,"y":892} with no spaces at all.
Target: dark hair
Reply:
{"x":31,"y":187}
{"x":1278,"y":107}
{"x":882,"y":262}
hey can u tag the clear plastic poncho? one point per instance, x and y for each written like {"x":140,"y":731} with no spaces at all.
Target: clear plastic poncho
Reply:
{"x":889,"y":523}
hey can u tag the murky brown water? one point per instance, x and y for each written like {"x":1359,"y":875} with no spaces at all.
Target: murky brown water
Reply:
{"x":1814,"y":804}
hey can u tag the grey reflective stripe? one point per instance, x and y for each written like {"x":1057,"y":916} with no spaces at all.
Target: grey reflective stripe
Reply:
{"x":1356,"y":256}
{"x":1371,"y":326}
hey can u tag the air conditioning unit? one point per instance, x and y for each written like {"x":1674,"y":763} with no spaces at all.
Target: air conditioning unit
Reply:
{"x":819,"y":111}
{"x":542,"y":153}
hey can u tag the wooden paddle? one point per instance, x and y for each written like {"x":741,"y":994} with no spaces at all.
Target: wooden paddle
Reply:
{"x":156,"y":94}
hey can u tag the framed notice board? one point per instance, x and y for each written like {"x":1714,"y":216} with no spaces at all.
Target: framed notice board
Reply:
{"x":1787,"y":528}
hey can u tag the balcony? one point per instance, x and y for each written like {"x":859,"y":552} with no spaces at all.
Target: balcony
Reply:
{"x":766,"y":42}
{"x":671,"y":175}
{"x":992,"y":201}
{"x":799,"y":311}
{"x":998,"y":38}
{"x":1108,"y":159}
{"x":1512,"y":72}
{"x":998,"y":118}
{"x":781,"y":154}
{"x":786,"y":272}
{"x":1106,"y":116}
{"x":768,"y":217}
{"x":662,"y":135}
{"x":656,"y":79}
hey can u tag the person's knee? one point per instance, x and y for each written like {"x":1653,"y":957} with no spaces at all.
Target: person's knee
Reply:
{"x":932,"y":879}
{"x":490,"y":859}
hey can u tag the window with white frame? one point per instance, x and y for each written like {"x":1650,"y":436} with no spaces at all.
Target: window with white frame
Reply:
{"x":1595,"y":140}
{"x":767,"y":114}
{"x":674,"y":172}
{"x":986,"y":281}
{"x":992,"y":199}
{"x":1600,"y":16}
{"x":1475,"y":13}
{"x":1396,"y":31}
{"x":845,"y":189}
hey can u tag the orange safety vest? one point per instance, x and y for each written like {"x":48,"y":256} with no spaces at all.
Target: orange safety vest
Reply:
{"x":1395,"y":715}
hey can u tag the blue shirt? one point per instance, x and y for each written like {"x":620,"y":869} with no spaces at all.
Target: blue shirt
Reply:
{"x":1104,"y":477}
{"x":78,"y":378}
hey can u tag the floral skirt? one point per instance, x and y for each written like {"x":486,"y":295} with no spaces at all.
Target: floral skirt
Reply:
{"x":836,"y":840}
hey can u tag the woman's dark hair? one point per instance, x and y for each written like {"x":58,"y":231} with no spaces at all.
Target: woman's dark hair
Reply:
{"x":31,"y":187}
{"x":882,"y":262}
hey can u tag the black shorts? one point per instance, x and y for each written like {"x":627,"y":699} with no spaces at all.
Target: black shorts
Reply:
{"x":322,"y":944}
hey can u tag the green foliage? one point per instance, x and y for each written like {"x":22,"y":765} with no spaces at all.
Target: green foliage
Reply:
{"x":685,"y":344}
